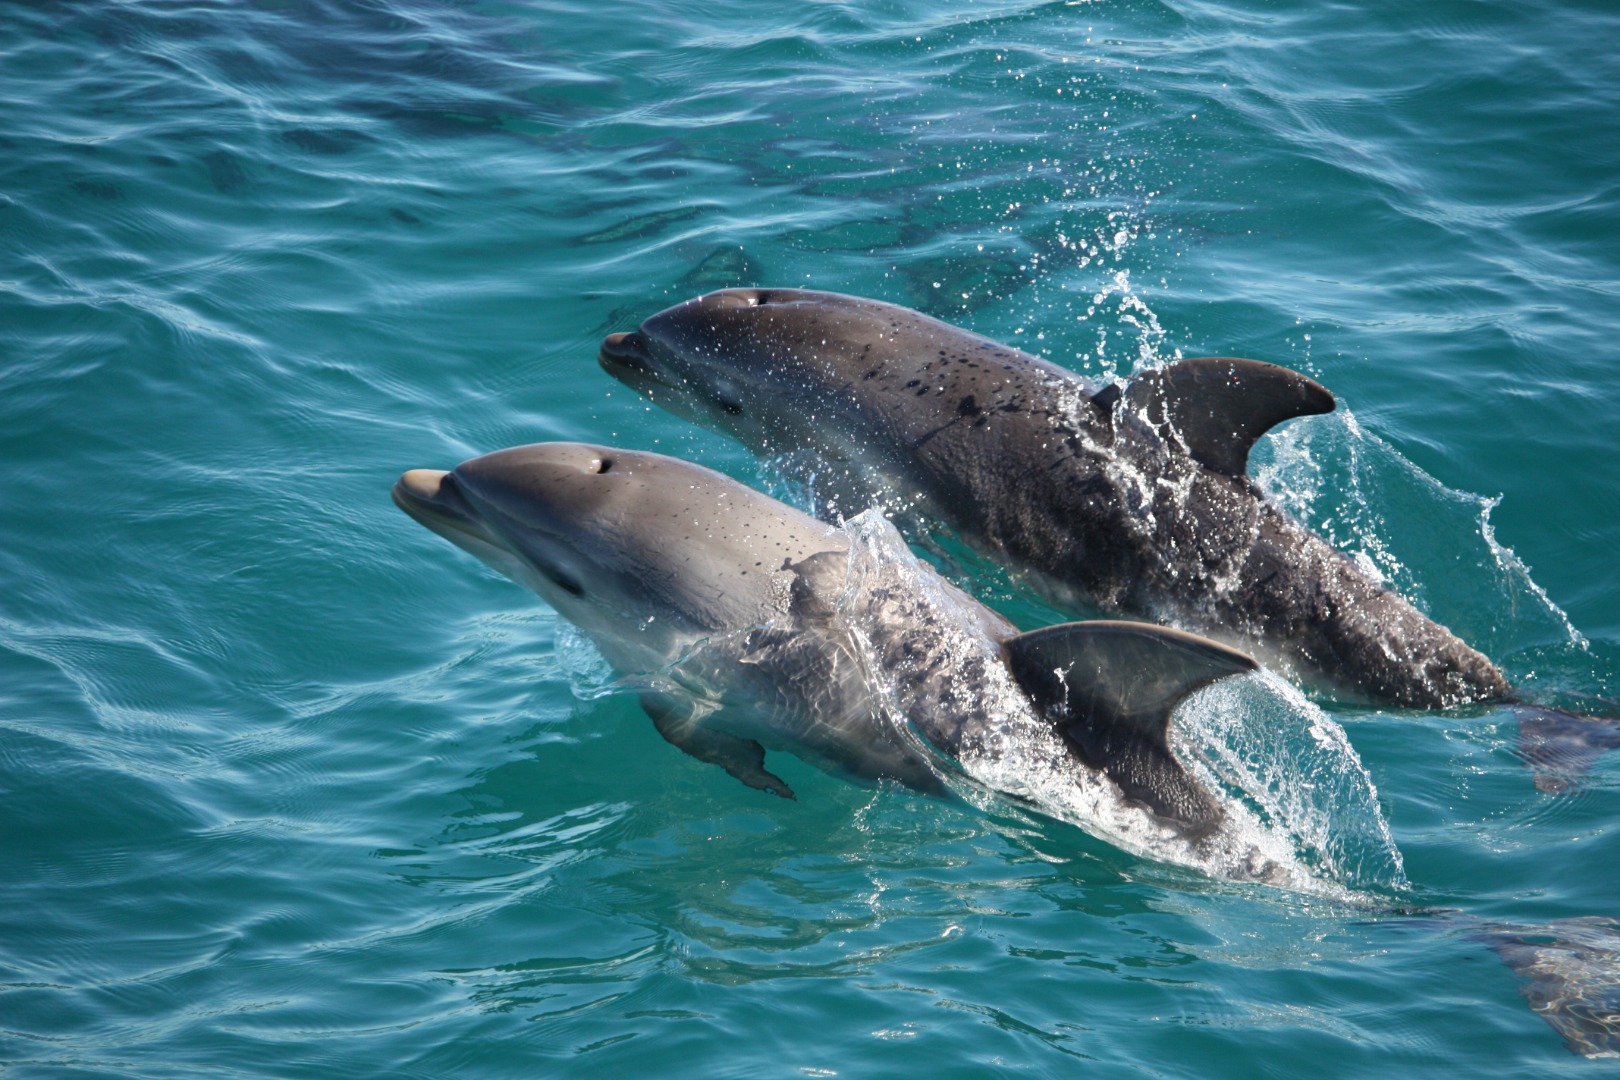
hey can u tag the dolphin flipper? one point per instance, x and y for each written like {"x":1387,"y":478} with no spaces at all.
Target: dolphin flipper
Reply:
{"x":1220,"y":406}
{"x":681,"y":725}
{"x":1110,"y":688}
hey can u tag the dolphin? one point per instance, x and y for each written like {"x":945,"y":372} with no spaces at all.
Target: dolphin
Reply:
{"x":739,"y":621}
{"x":1133,"y":498}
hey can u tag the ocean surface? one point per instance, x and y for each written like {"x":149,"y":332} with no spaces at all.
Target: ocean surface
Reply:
{"x":290,"y":787}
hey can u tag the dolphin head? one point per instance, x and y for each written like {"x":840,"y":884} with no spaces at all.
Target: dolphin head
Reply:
{"x":643,"y":552}
{"x":767,"y":366}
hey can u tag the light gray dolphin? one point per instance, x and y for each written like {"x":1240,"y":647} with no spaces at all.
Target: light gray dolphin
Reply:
{"x":736,"y":616}
{"x":1134,"y":498}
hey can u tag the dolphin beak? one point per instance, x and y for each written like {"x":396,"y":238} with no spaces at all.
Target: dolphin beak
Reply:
{"x":418,"y":488}
{"x":435,"y":499}
{"x":420,"y":484}
{"x":625,"y":356}
{"x":432,"y":497}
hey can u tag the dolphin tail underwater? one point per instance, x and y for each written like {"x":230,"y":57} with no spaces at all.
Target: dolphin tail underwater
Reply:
{"x":1571,"y":977}
{"x":1560,"y":746}
{"x":723,"y":606}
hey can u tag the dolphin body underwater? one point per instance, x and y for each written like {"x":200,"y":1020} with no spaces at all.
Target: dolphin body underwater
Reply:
{"x":735,"y":615}
{"x":1133,"y":498}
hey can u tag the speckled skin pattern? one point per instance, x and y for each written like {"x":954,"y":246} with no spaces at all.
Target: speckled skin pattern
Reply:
{"x":1089,"y":489}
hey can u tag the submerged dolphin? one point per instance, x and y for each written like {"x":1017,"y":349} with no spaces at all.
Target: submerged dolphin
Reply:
{"x":1571,"y":973}
{"x":1135,"y":498}
{"x":737,"y":614}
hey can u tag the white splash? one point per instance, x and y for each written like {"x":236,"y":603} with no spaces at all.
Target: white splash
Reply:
{"x":1300,"y":809}
{"x":589,"y":674}
{"x":1270,"y":746}
{"x":1368,"y":500}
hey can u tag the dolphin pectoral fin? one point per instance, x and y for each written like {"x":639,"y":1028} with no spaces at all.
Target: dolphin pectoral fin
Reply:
{"x":1220,"y":406}
{"x":1110,"y":688}
{"x":681,"y":725}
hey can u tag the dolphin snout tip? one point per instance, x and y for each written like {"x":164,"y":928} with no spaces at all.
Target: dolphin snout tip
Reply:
{"x":627,"y":346}
{"x":418,"y":488}
{"x":625,"y":354}
{"x":421,"y":483}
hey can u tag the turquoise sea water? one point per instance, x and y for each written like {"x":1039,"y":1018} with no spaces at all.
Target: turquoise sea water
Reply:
{"x":292,"y":788}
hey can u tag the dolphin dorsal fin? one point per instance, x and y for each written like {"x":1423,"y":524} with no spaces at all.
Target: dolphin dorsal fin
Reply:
{"x":1110,"y":687}
{"x":1220,"y":405}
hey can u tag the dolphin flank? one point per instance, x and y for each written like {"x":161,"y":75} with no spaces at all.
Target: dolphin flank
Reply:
{"x":730,"y":612}
{"x":1135,"y":498}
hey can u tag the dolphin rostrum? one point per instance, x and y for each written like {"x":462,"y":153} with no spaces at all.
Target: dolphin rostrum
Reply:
{"x":1134,"y":498}
{"x":740,"y":621}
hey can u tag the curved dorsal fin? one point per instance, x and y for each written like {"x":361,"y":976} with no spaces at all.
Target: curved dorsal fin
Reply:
{"x":1221,"y":405}
{"x":1110,"y":688}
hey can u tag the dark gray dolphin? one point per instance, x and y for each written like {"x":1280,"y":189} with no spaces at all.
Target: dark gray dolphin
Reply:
{"x":736,"y":616}
{"x":1134,"y":498}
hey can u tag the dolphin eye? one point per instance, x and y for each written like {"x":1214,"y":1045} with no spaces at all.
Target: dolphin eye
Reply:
{"x":731,"y":406}
{"x":564,"y":582}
